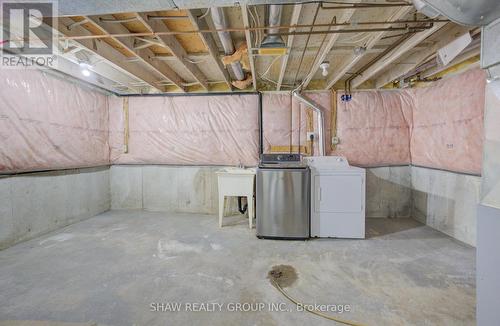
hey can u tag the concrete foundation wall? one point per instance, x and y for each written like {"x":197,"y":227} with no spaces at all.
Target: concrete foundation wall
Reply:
{"x":191,"y":189}
{"x":446,"y":201}
{"x":388,"y":192}
{"x":37,"y":203}
{"x":181,"y":189}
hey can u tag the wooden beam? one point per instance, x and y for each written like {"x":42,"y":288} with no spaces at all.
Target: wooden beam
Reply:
{"x":415,"y":59}
{"x":392,"y":56}
{"x":248,"y":37}
{"x":209,"y":42}
{"x":174,"y":46}
{"x":289,"y":43}
{"x":145,"y":55}
{"x":346,"y":16}
{"x":108,"y":52}
{"x":374,"y":39}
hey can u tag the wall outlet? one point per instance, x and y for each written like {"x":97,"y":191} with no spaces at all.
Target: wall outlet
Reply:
{"x":335,"y":140}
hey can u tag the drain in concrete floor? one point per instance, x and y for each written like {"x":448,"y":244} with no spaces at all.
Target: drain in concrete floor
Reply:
{"x":283,"y":275}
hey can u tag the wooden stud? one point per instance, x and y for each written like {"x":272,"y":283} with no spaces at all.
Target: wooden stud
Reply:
{"x":309,"y":128}
{"x":287,"y":148}
{"x":126,"y":132}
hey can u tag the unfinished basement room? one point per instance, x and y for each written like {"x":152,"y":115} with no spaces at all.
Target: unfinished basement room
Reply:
{"x":250,"y":162}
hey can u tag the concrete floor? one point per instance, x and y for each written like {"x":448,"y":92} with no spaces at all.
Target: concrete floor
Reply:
{"x":110,"y":268}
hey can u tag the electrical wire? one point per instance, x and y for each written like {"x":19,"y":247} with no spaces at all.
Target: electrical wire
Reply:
{"x":205,"y":14}
{"x":352,"y":39}
{"x":313,"y":311}
{"x":271,"y":64}
{"x":255,"y":32}
{"x":194,"y":61}
{"x":261,"y":32}
{"x":275,"y":82}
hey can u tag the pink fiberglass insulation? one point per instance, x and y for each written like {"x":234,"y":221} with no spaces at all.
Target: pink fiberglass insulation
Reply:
{"x":48,"y":123}
{"x":277,"y":120}
{"x":373,"y":128}
{"x":448,"y":123}
{"x":285,"y":120}
{"x":440,"y":126}
{"x":192,"y":130}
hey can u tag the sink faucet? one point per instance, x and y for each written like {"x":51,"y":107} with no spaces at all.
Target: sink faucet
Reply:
{"x":240,"y":165}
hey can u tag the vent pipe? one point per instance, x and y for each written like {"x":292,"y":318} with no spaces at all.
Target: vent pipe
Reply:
{"x":274,"y":20}
{"x":321,"y":119}
{"x":219,"y":19}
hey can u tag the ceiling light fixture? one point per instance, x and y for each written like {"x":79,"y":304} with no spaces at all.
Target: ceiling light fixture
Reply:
{"x":85,"y":68}
{"x":359,"y":50}
{"x":324,"y":68}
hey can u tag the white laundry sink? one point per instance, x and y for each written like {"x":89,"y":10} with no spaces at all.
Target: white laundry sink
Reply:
{"x":233,"y":181}
{"x":237,"y":171}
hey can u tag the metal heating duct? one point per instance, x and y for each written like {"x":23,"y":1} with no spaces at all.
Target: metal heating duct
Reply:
{"x":219,"y":19}
{"x":321,"y":119}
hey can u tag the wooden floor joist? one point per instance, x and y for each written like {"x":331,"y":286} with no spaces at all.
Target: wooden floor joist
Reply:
{"x":209,"y":42}
{"x":109,"y":53}
{"x":145,"y":55}
{"x":169,"y":41}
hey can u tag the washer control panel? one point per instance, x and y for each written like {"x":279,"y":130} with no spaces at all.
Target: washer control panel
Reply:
{"x":280,"y":158}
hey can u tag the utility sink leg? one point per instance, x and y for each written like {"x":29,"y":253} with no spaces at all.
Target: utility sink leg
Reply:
{"x":222,"y":200}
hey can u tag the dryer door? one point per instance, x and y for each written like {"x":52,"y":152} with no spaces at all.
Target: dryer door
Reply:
{"x":341,"y":193}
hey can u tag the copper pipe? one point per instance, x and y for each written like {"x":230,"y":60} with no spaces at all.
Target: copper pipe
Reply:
{"x":360,"y":30}
{"x":252,"y":29}
{"x":366,"y":5}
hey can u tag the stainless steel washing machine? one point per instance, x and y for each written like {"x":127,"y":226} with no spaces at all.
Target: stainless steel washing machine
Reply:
{"x":283,"y":197}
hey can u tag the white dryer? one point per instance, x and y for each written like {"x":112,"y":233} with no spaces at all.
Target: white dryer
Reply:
{"x":337,"y":198}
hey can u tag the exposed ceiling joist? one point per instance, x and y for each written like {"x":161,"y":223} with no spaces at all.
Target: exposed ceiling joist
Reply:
{"x":248,"y":37}
{"x":415,"y":59}
{"x":145,"y":55}
{"x":174,"y":46}
{"x":346,"y":16}
{"x":289,"y":43}
{"x":209,"y":42}
{"x":108,"y":52}
{"x":392,"y":56}
{"x":340,"y":72}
